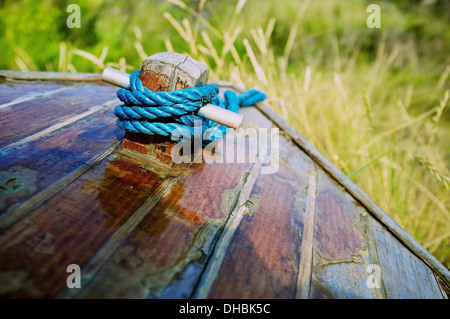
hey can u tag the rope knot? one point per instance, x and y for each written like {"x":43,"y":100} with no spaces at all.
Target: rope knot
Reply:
{"x":147,"y":112}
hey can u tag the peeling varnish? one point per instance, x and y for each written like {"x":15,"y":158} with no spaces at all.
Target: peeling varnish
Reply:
{"x":372,"y":252}
{"x":94,"y":109}
{"x":238,"y":211}
{"x":24,"y":208}
{"x":35,"y":95}
{"x":306,"y":258}
{"x":15,"y":182}
{"x":339,"y":232}
{"x":321,"y":261}
{"x":252,"y":204}
{"x":149,"y":163}
{"x":230,"y":197}
{"x":44,"y":244}
{"x":102,"y":255}
{"x":229,"y":200}
{"x":200,"y":247}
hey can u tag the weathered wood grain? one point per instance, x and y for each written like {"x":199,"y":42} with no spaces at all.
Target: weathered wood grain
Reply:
{"x":31,"y":168}
{"x":12,"y":92}
{"x":56,"y":127}
{"x":29,"y":117}
{"x":91,"y":269}
{"x":261,"y":260}
{"x":237,"y":212}
{"x":349,"y":186}
{"x":170,"y":71}
{"x":304,"y":272}
{"x":166,"y":253}
{"x":349,"y":241}
{"x":25,"y":207}
{"x":50,"y":76}
{"x":404,"y":275}
{"x":340,"y":248}
{"x":71,"y":226}
{"x":173,"y":239}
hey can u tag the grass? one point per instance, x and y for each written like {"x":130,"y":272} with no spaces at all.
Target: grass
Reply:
{"x":373,"y":101}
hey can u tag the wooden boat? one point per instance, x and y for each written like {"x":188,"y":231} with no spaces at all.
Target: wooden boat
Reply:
{"x":70,"y":193}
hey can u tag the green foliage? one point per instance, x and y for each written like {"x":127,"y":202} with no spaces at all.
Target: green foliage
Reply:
{"x":29,"y":25}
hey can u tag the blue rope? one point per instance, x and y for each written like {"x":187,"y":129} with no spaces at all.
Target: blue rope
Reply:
{"x":147,"y":112}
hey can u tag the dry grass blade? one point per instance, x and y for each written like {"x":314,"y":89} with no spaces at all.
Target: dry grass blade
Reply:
{"x":432,"y":169}
{"x":99,"y":62}
{"x":256,"y":66}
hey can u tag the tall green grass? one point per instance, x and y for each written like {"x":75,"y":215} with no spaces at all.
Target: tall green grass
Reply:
{"x":373,"y":101}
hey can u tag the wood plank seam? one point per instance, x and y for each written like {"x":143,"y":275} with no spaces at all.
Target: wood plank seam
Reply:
{"x":148,"y":160}
{"x":110,"y":246}
{"x":103,"y":254}
{"x":47,"y":76}
{"x":379,"y":293}
{"x":423,"y":277}
{"x":306,"y":257}
{"x":358,"y":194}
{"x":15,"y":215}
{"x":443,"y":287}
{"x":37,"y":95}
{"x":96,"y":108}
{"x":214,"y":262}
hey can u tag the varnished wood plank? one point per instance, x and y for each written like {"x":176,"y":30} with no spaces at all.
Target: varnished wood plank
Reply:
{"x":204,"y":287}
{"x":71,"y":226}
{"x":379,"y":290}
{"x":55,"y":127}
{"x":30,"y":117}
{"x":269,"y":236}
{"x":304,"y":276}
{"x":36,"y":165}
{"x":164,"y":256}
{"x":25,"y":207}
{"x":338,"y":233}
{"x":349,"y":186}
{"x":341,"y":281}
{"x":341,"y":254}
{"x":50,"y":76}
{"x":404,"y":275}
{"x":15,"y":91}
{"x":262,"y":259}
{"x":196,"y":208}
{"x":91,"y":269}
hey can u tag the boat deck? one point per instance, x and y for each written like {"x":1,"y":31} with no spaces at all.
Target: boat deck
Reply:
{"x":138,"y":228}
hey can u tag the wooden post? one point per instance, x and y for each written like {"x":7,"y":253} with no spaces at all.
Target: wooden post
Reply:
{"x":165,"y":72}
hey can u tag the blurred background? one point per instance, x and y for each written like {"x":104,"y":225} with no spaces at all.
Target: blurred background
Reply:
{"x":373,"y":101}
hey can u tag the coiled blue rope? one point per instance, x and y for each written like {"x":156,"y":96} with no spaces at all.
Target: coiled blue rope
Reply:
{"x":161,"y":113}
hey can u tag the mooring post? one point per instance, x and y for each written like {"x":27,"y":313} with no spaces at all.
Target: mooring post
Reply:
{"x":165,"y":72}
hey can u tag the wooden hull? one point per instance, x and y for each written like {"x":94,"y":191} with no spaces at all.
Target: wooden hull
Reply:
{"x":138,"y":228}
